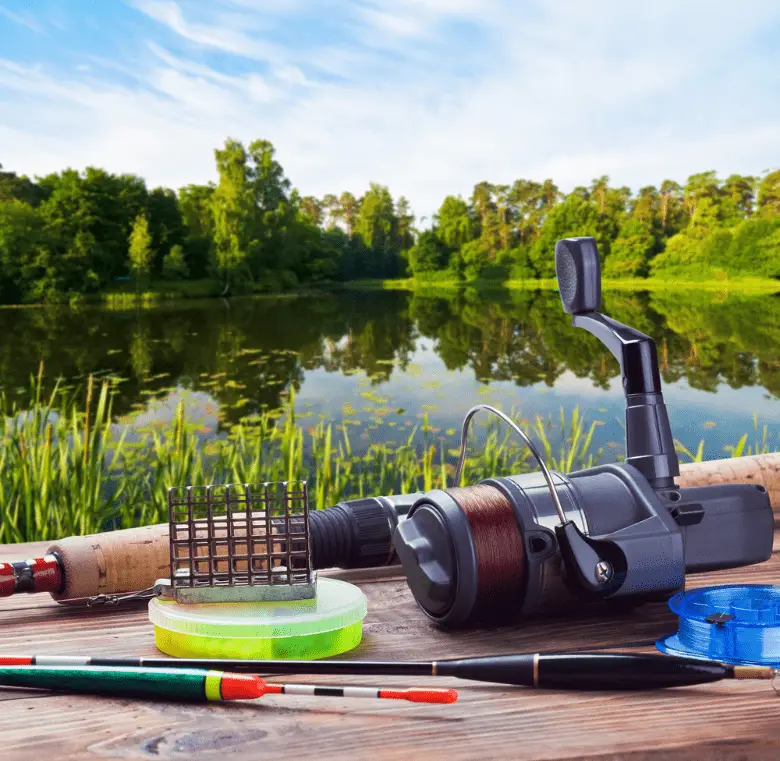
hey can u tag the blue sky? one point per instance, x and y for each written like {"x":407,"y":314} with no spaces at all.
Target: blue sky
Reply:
{"x":426,"y":96}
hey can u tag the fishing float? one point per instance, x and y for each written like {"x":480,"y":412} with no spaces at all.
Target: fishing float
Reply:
{"x":577,"y":671}
{"x":195,"y":684}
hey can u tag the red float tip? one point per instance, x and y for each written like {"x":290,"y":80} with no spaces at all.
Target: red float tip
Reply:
{"x":421,"y":696}
{"x":12,"y":660}
{"x":242,"y":687}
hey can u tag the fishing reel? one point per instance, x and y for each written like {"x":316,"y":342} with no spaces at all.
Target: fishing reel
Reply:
{"x":517,"y":546}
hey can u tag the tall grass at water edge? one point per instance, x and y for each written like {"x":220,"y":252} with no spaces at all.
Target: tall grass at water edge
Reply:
{"x":67,"y":468}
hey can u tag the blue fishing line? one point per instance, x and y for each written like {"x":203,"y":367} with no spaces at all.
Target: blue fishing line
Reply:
{"x":737,"y":624}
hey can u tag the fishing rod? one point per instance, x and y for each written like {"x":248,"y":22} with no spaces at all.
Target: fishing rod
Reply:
{"x":573,"y":671}
{"x":109,"y":566}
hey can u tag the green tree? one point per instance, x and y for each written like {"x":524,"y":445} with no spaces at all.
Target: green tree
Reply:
{"x":768,"y":253}
{"x":197,"y":211}
{"x":672,"y":211}
{"x":330,"y":205}
{"x":769,"y":196}
{"x":166,"y":225}
{"x":428,"y":255}
{"x":455,"y":225}
{"x":349,"y":207}
{"x":738,"y":198}
{"x":611,"y":204}
{"x":312,"y":209}
{"x":90,"y":216}
{"x":688,"y":255}
{"x":475,"y":258}
{"x":482,"y":202}
{"x":506,"y":215}
{"x":598,"y":190}
{"x":683,"y":255}
{"x":174,"y":265}
{"x":531,"y":201}
{"x":13,"y":187}
{"x":404,"y":224}
{"x":84,"y":238}
{"x":576,"y":216}
{"x":267,"y":176}
{"x":233,"y":205}
{"x":631,"y":251}
{"x":751,"y":250}
{"x":645,"y":207}
{"x":377,"y":227}
{"x":702,"y":186}
{"x":25,"y":254}
{"x":273,"y":253}
{"x":140,"y":251}
{"x":69,"y":232}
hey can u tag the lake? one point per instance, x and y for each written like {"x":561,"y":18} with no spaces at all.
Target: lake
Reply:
{"x":380,"y":360}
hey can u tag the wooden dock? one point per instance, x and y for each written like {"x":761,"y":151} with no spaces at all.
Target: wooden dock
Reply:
{"x":726,"y":720}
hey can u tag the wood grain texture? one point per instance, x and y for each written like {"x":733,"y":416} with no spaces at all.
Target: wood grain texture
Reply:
{"x":728,"y":720}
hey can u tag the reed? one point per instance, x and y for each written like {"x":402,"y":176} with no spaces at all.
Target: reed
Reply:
{"x":744,"y":447}
{"x":67,"y":467}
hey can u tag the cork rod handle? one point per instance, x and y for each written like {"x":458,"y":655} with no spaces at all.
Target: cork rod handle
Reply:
{"x":763,"y":469}
{"x":113,"y":563}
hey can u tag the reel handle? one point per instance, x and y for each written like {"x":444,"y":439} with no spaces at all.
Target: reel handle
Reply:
{"x":649,"y":440}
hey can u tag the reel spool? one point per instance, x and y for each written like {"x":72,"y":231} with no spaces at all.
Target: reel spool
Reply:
{"x":737,"y":624}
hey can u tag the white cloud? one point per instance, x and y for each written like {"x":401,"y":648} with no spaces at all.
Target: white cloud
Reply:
{"x":278,"y":7}
{"x":291,"y":75}
{"x":25,"y":19}
{"x":395,"y":24}
{"x":231,"y":40}
{"x":562,"y":89}
{"x":438,"y":8}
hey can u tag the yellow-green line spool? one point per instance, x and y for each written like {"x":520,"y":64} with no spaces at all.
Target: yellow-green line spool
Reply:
{"x":329,"y":624}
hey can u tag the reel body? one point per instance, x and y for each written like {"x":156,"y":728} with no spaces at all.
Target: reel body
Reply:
{"x":513,"y":547}
{"x":660,"y":536}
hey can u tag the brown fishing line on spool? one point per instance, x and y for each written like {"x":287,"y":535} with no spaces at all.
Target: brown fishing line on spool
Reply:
{"x":498,"y":544}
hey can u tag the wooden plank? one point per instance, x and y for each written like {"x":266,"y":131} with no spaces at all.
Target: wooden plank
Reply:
{"x":728,"y":720}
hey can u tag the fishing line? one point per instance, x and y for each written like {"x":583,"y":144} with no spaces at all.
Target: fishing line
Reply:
{"x":498,"y":544}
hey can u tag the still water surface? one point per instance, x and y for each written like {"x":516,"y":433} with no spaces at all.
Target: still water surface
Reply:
{"x":382,"y":360}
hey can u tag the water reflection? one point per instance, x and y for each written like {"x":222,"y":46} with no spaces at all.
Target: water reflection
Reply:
{"x":248,"y":353}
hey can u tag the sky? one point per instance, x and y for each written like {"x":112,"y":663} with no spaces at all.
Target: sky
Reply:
{"x":427,"y":97}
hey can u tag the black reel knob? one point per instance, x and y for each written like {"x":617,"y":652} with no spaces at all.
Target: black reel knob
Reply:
{"x":579,"y":274}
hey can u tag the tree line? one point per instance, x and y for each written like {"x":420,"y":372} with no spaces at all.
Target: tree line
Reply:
{"x":706,"y":228}
{"x":80,"y":232}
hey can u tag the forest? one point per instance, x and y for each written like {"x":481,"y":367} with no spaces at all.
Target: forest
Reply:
{"x":71,"y":234}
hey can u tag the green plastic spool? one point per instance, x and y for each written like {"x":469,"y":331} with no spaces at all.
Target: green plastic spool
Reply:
{"x":330,"y":624}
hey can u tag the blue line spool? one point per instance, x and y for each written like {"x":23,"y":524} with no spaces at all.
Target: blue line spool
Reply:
{"x":737,"y":624}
